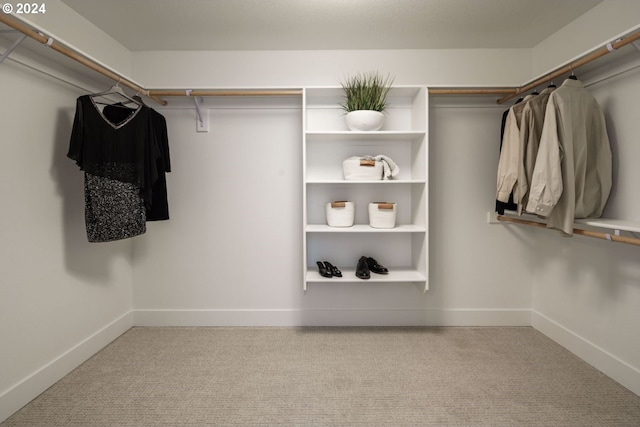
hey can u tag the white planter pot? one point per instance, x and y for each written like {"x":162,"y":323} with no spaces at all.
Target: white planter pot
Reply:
{"x":340,"y":214}
{"x":365,"y":120}
{"x":382,"y":215}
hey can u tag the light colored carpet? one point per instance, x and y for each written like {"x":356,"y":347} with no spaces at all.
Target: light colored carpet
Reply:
{"x":333,"y":377}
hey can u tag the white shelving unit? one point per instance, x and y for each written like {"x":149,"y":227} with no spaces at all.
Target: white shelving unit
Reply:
{"x":404,"y":250}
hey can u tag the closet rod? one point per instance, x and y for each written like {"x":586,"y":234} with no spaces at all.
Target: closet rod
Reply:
{"x":608,"y":48}
{"x":16,"y":25}
{"x":293,"y":92}
{"x":155,"y":94}
{"x":579,"y":231}
{"x":456,"y":91}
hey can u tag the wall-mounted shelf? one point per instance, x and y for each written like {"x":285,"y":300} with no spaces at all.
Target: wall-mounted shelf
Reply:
{"x":396,"y":275}
{"x":327,"y":143}
{"x":365,"y":136}
{"x":611,"y":224}
{"x":365,"y":228}
{"x":591,"y":227}
{"x":363,"y":182}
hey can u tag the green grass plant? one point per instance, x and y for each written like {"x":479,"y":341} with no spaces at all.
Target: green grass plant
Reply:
{"x":366,"y":91}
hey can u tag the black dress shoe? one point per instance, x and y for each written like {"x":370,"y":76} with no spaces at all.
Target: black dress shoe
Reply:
{"x":362,"y":270}
{"x":375,"y":267}
{"x":332,"y":269}
{"x":323,"y":270}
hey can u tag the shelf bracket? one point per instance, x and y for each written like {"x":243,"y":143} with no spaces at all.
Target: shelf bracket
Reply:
{"x":636,"y":44}
{"x":11,"y":48}
{"x":202,"y":120}
{"x":616,"y":232}
{"x":492,"y":218}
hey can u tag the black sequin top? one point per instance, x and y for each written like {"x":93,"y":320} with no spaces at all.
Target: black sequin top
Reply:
{"x":119,"y":161}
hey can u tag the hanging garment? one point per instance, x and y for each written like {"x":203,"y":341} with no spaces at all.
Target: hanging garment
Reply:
{"x":531,"y":125}
{"x":510,"y":204}
{"x":510,"y":153}
{"x":119,"y":161}
{"x":573,"y":172}
{"x":159,"y":209}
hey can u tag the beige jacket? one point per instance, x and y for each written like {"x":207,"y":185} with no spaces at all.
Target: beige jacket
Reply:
{"x":510,"y":152}
{"x":572,"y":174}
{"x":530,"y":133}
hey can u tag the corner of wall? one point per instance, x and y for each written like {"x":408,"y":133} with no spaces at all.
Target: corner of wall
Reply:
{"x":601,"y":359}
{"x":30,"y":387}
{"x":63,"y":24}
{"x":605,"y":22}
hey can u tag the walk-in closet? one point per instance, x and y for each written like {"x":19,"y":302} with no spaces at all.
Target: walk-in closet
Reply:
{"x":194,"y":234}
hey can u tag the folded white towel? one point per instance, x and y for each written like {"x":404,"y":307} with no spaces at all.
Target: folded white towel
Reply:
{"x":389,"y":168}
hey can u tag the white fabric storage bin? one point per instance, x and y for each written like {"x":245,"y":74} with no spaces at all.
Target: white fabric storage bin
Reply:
{"x":382,"y":215}
{"x":340,"y":214}
{"x":357,"y":169}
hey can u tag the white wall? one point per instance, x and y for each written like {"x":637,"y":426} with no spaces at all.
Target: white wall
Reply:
{"x":586,"y":292}
{"x":477,"y":270}
{"x":235,"y":69}
{"x":230,"y":255}
{"x":234,"y":237}
{"x":206,"y":283}
{"x":61,"y":298}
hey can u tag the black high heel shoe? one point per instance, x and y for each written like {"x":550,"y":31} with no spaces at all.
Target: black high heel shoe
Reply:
{"x":323,"y":270}
{"x":333,"y":269}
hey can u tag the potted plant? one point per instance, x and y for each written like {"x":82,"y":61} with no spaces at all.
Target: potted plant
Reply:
{"x":365,"y":99}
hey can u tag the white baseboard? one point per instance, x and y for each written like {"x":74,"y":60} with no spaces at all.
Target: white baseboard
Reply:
{"x":30,"y":387}
{"x":316,"y":317}
{"x":607,"y":363}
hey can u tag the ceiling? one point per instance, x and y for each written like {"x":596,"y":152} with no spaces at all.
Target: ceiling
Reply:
{"x":142,"y":25}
